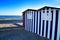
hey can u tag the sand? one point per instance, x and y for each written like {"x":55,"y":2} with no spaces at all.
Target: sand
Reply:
{"x":7,"y":25}
{"x":10,"y":22}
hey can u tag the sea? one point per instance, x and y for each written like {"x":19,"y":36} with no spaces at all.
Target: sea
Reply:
{"x":10,"y":21}
{"x":1,"y":17}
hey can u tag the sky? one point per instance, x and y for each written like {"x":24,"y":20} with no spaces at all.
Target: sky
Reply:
{"x":16,"y":7}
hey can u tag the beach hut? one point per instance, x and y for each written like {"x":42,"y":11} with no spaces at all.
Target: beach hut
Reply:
{"x":28,"y":17}
{"x":44,"y":22}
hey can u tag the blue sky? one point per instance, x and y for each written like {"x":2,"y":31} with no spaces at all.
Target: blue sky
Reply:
{"x":16,"y":7}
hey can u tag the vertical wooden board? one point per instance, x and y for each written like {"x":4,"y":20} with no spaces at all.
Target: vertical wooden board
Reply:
{"x":58,"y":31}
{"x":53,"y":30}
{"x":41,"y":21}
{"x":45,"y":29}
{"x":56,"y":25}
{"x":35,"y":20}
{"x":49,"y":19}
{"x":25,"y":21}
{"x":45,"y":24}
{"x":32,"y":21}
{"x":38,"y":22}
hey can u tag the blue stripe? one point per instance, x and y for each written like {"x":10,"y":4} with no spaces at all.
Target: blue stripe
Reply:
{"x":37,"y":23}
{"x":40,"y":23}
{"x":46,"y":28}
{"x":51,"y":25}
{"x":43,"y":28}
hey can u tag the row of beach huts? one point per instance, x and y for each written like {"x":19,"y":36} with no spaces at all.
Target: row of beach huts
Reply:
{"x":44,"y":22}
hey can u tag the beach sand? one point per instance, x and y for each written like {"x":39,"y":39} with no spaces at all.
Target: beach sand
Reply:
{"x":11,"y":30}
{"x":7,"y":25}
{"x":10,"y":22}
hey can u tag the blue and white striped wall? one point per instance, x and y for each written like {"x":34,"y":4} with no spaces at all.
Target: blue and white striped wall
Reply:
{"x":45,"y":22}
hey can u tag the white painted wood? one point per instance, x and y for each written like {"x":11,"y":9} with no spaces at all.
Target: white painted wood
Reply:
{"x":38,"y":21}
{"x":50,"y":15}
{"x":48,"y":29}
{"x":45,"y":24}
{"x":54,"y":17}
{"x":44,"y":16}
{"x":41,"y":21}
{"x":29,"y":15}
{"x":49,"y":20}
{"x":25,"y":21}
{"x":35,"y":20}
{"x":30,"y":21}
{"x":45,"y":28}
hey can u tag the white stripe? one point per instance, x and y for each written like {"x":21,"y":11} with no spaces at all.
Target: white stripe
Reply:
{"x":45,"y":29}
{"x":41,"y":21}
{"x":38,"y":21}
{"x":25,"y":21}
{"x":30,"y":22}
{"x":35,"y":20}
{"x":48,"y":29}
{"x":49,"y":20}
{"x":45,"y":24}
{"x":54,"y":15}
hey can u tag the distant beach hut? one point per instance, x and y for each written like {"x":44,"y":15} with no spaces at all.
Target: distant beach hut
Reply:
{"x":44,"y":22}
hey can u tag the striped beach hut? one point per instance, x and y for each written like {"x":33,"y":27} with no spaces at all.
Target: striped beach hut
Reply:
{"x":29,"y":17}
{"x":44,"y":22}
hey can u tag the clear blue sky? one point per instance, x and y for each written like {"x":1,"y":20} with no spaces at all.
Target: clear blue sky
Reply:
{"x":16,"y":7}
